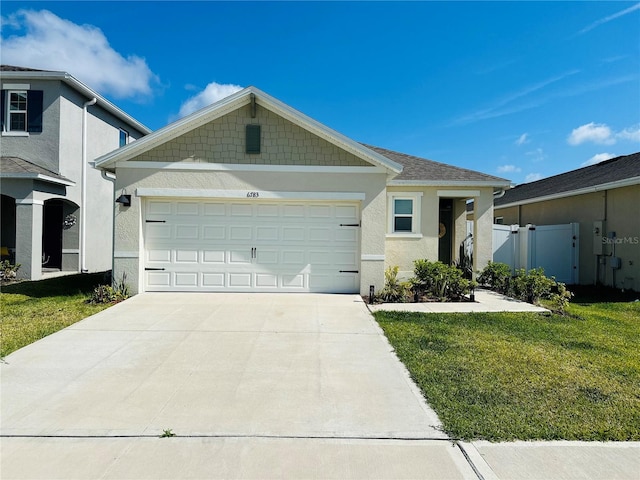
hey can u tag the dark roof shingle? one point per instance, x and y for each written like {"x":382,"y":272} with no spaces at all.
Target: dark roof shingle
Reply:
{"x":619,"y":168}
{"x":421,"y":169}
{"x":16,"y":165}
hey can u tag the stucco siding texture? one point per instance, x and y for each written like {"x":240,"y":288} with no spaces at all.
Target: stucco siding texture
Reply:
{"x":223,"y":141}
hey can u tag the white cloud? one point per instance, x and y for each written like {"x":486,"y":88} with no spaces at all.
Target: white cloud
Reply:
{"x":508,"y":169}
{"x":591,"y":132}
{"x":53,"y":43}
{"x":609,"y":18}
{"x":532,"y":177}
{"x":630,"y":133}
{"x":602,"y":134}
{"x":211,"y":94}
{"x":522,"y":139}
{"x":600,"y":157}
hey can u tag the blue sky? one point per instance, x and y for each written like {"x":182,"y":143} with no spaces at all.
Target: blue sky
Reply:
{"x":521,"y":90}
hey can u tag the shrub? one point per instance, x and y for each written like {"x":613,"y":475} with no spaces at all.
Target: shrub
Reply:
{"x":394,"y":291}
{"x":496,"y":276}
{"x":110,"y":294}
{"x":439,"y":281}
{"x":8,"y":271}
{"x":532,"y":286}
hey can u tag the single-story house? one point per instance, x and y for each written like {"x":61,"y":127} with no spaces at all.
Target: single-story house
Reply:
{"x":249,"y":194}
{"x":604,"y":199}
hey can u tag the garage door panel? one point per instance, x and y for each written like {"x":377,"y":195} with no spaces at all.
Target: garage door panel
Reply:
{"x":240,"y":233}
{"x":238,"y":246}
{"x":159,"y":255}
{"x":186,"y":279}
{"x":187,"y":208}
{"x":186,"y":256}
{"x":293,"y":234}
{"x":214,"y":209}
{"x":213,"y":280}
{"x":214,"y":232}
{"x":213,"y":256}
{"x":240,"y":280}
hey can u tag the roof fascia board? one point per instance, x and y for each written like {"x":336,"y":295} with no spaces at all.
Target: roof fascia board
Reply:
{"x":447,"y":183}
{"x":627,"y":182}
{"x":38,"y":176}
{"x":82,"y":88}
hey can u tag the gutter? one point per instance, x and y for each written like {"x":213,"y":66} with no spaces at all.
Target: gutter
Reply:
{"x":83,"y":221}
{"x":82,"y":88}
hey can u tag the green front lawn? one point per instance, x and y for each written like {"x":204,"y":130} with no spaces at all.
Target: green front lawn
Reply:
{"x":33,"y":310}
{"x":515,"y":376}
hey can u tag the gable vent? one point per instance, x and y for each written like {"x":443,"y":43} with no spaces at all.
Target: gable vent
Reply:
{"x":253,"y":138}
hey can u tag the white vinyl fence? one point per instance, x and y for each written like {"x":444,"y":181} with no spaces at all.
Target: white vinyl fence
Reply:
{"x":552,"y":247}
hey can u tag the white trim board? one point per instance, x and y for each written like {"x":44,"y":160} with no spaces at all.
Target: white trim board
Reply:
{"x":247,"y":167}
{"x":247,"y":194}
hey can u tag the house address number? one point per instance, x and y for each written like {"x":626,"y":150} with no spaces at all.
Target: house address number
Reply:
{"x":253,"y":194}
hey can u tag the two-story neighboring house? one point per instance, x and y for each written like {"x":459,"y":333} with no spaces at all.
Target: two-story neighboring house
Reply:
{"x":57,"y":210}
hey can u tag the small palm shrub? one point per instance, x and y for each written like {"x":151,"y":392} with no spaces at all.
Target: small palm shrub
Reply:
{"x":8,"y":271}
{"x":110,"y":294}
{"x":394,"y":291}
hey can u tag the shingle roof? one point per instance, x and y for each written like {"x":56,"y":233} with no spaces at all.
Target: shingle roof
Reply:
{"x":13,"y":68}
{"x":616,"y":169}
{"x":19,"y":167}
{"x":423,"y":170}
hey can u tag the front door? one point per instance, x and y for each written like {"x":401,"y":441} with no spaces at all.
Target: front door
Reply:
{"x":444,"y":230}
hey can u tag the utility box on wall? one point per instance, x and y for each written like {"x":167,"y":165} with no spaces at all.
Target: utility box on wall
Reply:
{"x":598,"y":234}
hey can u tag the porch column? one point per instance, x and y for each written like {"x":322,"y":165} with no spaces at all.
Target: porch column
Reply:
{"x":483,"y":229}
{"x":29,"y":238}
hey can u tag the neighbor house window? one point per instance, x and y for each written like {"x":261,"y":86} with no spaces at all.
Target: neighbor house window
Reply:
{"x":21,"y":111}
{"x":124,"y":137}
{"x":404,"y":213}
{"x":253,"y":139}
{"x":499,"y":220}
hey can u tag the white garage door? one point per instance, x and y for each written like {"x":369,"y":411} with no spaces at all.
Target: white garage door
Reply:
{"x":211,"y":245}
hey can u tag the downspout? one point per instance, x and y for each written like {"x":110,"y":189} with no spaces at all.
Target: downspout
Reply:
{"x":83,"y":226}
{"x":112,"y":178}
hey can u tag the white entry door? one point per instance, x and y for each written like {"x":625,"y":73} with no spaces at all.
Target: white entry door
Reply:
{"x":222,"y":245}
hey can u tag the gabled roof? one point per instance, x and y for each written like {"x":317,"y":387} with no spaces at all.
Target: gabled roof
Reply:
{"x":617,"y":172}
{"x":8,"y":72}
{"x":14,"y":167}
{"x":420,"y":171}
{"x":231,"y":103}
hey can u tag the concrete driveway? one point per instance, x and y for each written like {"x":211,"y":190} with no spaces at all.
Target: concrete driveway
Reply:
{"x":254,"y":386}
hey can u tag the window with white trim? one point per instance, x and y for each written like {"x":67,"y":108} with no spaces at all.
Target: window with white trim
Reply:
{"x":124,"y":137}
{"x":404,"y":213}
{"x":17,"y":111}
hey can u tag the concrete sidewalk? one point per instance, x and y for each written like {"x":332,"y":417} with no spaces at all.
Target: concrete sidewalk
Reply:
{"x":486,"y":301}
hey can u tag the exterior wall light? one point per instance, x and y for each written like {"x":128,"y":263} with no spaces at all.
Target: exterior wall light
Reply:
{"x":124,"y":200}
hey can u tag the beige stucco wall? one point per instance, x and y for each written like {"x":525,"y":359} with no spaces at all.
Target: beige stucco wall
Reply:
{"x":128,"y":249}
{"x":619,"y":207}
{"x":223,"y":141}
{"x":402,"y":250}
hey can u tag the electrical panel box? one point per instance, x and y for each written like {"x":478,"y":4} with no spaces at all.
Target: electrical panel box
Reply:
{"x":598,"y":233}
{"x":615,"y":262}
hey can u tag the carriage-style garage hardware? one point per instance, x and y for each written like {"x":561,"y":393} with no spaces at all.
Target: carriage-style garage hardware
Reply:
{"x":151,"y":269}
{"x":349,"y":271}
{"x":156,"y":221}
{"x":349,"y":224}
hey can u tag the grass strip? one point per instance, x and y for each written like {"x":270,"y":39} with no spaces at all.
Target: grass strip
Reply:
{"x":514,"y":376}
